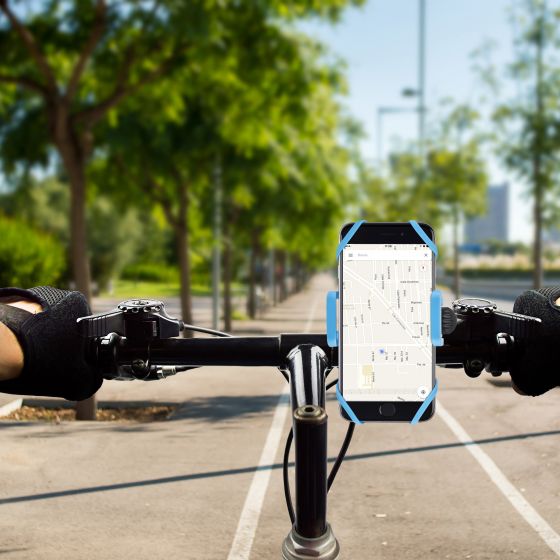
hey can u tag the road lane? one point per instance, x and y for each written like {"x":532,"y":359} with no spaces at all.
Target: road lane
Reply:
{"x":415,"y":491}
{"x":177,"y":489}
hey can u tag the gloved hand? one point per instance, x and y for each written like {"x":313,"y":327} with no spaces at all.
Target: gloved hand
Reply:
{"x":53,"y":350}
{"x":538,"y":370}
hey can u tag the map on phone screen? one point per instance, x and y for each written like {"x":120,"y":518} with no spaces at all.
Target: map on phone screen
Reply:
{"x":387,"y":352}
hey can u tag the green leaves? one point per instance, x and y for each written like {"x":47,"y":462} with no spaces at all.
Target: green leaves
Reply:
{"x":449,"y":183}
{"x":526,"y":123}
{"x":28,"y":257}
{"x":141,"y":97}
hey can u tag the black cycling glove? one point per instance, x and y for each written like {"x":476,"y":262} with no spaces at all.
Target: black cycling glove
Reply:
{"x":53,"y":351}
{"x":538,"y":368}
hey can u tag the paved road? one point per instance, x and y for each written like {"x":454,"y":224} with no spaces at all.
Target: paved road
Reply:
{"x":506,"y":290}
{"x":187,"y":488}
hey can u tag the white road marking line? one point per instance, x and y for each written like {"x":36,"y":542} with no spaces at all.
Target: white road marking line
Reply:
{"x":516,"y":499}
{"x":248,"y":521}
{"x":250,"y":514}
{"x":311,"y":315}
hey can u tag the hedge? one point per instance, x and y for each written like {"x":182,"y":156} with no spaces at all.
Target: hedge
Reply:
{"x":150,"y":272}
{"x":28,"y":257}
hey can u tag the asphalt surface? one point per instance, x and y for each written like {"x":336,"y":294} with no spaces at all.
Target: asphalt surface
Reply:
{"x":504,"y":290}
{"x":178,"y":489}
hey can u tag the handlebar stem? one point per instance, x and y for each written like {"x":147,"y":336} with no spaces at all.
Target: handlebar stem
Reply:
{"x":307,"y":366}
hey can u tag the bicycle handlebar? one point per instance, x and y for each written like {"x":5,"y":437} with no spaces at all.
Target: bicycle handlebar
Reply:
{"x":137,"y":341}
{"x":476,"y":336}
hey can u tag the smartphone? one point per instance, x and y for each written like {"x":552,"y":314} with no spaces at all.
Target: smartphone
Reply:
{"x":386,"y":356}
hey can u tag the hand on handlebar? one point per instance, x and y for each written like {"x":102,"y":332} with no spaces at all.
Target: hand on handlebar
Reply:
{"x":53,"y":351}
{"x":536,"y":371}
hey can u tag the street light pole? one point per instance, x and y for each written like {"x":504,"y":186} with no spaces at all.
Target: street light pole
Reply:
{"x":381,"y":111}
{"x":421,"y":75}
{"x":379,"y":136}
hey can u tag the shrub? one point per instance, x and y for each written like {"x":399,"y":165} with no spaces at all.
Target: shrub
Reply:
{"x":150,"y":272}
{"x":27,"y":257}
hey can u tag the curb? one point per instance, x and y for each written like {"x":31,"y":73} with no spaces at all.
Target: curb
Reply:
{"x":10,"y":407}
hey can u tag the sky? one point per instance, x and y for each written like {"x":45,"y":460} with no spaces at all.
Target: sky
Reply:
{"x":379,"y":43}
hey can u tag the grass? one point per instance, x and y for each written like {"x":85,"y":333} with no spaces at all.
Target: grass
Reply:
{"x":128,"y":289}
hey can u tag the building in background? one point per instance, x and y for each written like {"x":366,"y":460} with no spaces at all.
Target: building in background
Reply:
{"x":494,"y":224}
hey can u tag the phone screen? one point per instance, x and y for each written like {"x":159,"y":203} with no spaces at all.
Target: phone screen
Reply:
{"x":387,"y":352}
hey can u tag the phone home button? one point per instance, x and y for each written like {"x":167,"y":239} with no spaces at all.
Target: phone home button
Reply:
{"x":387,"y":409}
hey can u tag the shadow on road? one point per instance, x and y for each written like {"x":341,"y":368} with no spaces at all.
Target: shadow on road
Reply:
{"x":246,"y":470}
{"x":225,"y":407}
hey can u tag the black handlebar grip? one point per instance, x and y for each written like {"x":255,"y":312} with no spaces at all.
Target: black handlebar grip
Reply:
{"x":537,"y":370}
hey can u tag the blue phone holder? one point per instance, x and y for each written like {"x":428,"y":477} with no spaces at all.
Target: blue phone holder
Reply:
{"x":435,"y":322}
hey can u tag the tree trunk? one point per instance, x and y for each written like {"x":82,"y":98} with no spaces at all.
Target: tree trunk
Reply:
{"x":296,"y":273}
{"x":289,"y":274}
{"x":74,"y":161}
{"x":304,"y":276}
{"x":183,"y":257}
{"x":456,"y":269}
{"x":74,"y":166}
{"x":281,"y":275}
{"x":87,"y":409}
{"x":252,"y":295}
{"x":300,"y":274}
{"x":272,"y":276}
{"x":228,"y":305}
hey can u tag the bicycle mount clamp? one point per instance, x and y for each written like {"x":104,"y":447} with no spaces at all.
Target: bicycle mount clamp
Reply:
{"x":140,"y":321}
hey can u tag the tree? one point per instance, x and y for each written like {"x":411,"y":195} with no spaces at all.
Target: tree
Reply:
{"x":167,"y":164}
{"x":67,"y":65}
{"x":456,"y":175}
{"x":114,"y":231}
{"x":294,"y":185}
{"x":527,"y":122}
{"x":448,"y":186}
{"x":403,"y":193}
{"x":268,"y":128}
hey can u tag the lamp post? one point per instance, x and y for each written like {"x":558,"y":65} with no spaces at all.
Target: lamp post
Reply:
{"x":421,"y":74}
{"x":420,"y":90}
{"x":381,"y":112}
